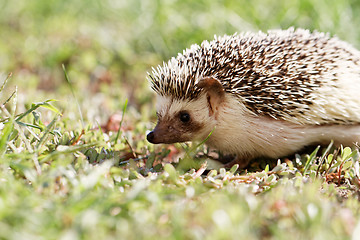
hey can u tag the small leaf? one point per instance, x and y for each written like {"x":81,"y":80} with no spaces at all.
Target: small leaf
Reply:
{"x":347,"y":165}
{"x":271,"y":178}
{"x":346,"y":152}
{"x":278,"y":168}
{"x":212,"y":173}
{"x":330,"y":158}
{"x":234,"y":168}
{"x":173,"y":174}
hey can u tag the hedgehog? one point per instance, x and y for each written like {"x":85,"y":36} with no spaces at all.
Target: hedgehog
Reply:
{"x":260,"y":94}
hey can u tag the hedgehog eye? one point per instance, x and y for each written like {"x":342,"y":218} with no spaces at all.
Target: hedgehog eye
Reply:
{"x":184,"y":117}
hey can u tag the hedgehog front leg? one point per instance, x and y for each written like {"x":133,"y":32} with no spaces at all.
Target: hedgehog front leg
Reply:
{"x":243,"y":162}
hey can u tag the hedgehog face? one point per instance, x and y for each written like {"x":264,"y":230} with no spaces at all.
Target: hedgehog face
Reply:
{"x":181,"y":120}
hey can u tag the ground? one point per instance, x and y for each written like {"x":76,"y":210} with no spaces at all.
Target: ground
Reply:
{"x":76,"y":107}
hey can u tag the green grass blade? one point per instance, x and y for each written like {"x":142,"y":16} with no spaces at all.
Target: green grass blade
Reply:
{"x":5,"y":81}
{"x":121,"y":122}
{"x":35,"y":106}
{"x":321,"y":161}
{"x":74,"y":95}
{"x":311,"y":159}
{"x":66,"y":149}
{"x":47,"y":105}
{"x":46,"y":133}
{"x":4,"y":137}
{"x":29,"y":125}
{"x":9,"y":98}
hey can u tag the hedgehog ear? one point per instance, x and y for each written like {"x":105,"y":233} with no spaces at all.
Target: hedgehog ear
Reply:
{"x":214,"y":91}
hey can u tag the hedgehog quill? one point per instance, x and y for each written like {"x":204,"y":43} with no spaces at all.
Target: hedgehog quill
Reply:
{"x":262,"y":94}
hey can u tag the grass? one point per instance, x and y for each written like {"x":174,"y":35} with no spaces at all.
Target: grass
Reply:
{"x":74,"y":160}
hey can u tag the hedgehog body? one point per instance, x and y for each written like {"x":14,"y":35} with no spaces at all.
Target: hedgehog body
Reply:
{"x":260,"y":94}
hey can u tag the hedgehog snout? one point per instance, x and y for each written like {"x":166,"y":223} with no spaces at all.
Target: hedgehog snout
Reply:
{"x":151,"y":137}
{"x":163,"y":133}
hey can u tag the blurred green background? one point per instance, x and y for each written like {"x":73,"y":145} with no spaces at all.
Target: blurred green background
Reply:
{"x":108,"y":46}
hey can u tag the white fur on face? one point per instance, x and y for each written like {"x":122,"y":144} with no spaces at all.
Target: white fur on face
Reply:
{"x":168,"y":108}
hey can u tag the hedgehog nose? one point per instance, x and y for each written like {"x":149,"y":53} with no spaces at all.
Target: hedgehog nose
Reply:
{"x":150,"y":137}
